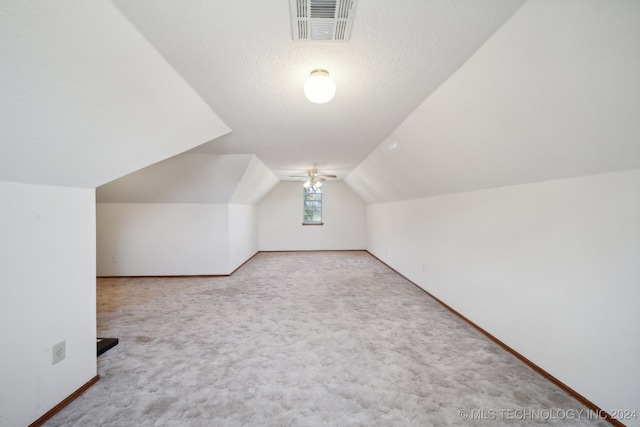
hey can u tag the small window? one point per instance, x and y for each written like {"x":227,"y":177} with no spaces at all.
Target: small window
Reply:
{"x":312,"y":207}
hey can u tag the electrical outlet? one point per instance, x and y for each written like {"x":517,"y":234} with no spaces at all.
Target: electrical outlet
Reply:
{"x":59,"y":352}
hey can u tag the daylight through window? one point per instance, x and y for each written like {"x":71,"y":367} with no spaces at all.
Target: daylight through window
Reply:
{"x":312,"y":208}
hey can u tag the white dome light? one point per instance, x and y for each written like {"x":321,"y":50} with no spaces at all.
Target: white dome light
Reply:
{"x":319,"y":88}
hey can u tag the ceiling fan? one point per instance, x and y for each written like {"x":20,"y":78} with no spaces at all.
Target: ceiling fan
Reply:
{"x":313,"y":178}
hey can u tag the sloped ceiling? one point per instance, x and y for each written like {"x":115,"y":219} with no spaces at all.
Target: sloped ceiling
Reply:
{"x":554,"y":93}
{"x":193,"y":178}
{"x":241,"y":58}
{"x":86,"y":99}
{"x":256,"y":182}
{"x":438,"y":96}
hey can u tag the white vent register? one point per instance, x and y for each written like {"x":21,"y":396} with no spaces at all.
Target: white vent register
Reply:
{"x":322,"y":20}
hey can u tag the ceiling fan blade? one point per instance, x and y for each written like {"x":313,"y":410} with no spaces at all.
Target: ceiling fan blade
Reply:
{"x":313,"y":173}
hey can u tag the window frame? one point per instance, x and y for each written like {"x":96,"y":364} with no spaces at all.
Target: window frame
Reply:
{"x":315,"y":209}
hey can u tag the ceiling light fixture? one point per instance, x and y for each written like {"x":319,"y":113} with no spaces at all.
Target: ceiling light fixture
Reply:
{"x":319,"y":87}
{"x":312,"y":183}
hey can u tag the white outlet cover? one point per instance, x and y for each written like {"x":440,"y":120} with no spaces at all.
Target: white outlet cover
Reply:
{"x":59,"y":352}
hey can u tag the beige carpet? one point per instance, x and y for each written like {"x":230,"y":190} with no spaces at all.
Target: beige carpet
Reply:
{"x":302,"y":339}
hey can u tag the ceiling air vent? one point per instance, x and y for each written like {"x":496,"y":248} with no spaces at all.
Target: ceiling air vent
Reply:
{"x":322,"y":20}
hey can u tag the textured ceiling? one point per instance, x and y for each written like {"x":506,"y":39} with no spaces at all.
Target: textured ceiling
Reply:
{"x":239,"y":56}
{"x":434,"y":96}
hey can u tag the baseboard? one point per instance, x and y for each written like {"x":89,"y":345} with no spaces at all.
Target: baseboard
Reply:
{"x":233,"y":272}
{"x":586,"y":402}
{"x":177,"y":276}
{"x":73,"y":396}
{"x":243,"y":264}
{"x":181,"y":275}
{"x":315,"y":250}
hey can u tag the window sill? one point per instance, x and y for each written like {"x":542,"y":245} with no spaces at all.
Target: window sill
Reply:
{"x":313,"y":223}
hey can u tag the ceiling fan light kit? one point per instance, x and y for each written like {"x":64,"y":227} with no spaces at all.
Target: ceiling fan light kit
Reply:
{"x":313,"y":178}
{"x":314,"y":185}
{"x":319,"y":87}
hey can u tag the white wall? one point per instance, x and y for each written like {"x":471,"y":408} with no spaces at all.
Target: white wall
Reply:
{"x":280,"y":220}
{"x":47,"y":295}
{"x":552,"y":269}
{"x":162,"y":239}
{"x":243,"y":234}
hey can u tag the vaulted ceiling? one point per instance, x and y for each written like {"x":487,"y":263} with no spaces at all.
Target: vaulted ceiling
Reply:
{"x":555,"y":93}
{"x":242,"y":59}
{"x":433,"y":96}
{"x":86,"y":98}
